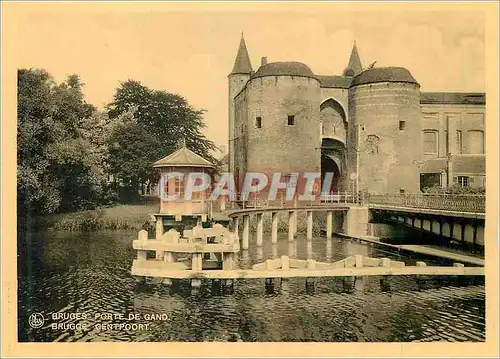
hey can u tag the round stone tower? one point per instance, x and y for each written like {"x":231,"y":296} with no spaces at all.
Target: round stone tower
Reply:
{"x":237,"y":80}
{"x":283,"y":122}
{"x":384,"y":137}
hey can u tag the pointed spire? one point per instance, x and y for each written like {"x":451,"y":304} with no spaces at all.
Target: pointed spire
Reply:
{"x":242,"y":64}
{"x":354,"y":67}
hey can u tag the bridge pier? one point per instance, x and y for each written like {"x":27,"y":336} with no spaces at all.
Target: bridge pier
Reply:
{"x":246,"y":229}
{"x":309,"y":225}
{"x":259,"y":229}
{"x":329,"y":217}
{"x":291,"y":226}
{"x":274,"y":227}
{"x":356,"y":221}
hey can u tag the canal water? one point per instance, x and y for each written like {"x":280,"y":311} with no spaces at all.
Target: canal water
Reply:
{"x":81,"y":282}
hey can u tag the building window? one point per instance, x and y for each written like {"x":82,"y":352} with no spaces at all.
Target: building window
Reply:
{"x":401,"y":191}
{"x":430,"y":142}
{"x":258,"y":122}
{"x":463,"y":181}
{"x":402,"y":125}
{"x":459,"y":141}
{"x":475,"y":142}
{"x":322,"y":128}
{"x":333,"y":129}
{"x":291,"y":120}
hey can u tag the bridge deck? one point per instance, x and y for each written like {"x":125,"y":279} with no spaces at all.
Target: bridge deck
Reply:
{"x":429,"y":211}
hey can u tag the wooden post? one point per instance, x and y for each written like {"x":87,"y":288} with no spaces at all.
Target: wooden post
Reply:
{"x":169,"y":257}
{"x":142,"y":236}
{"x":159,"y":227}
{"x":290,"y":226}
{"x":274,"y":227}
{"x":222,"y":203}
{"x":358,"y":261}
{"x":197,"y":262}
{"x":309,"y":224}
{"x":236,"y":223}
{"x":295,"y":222}
{"x":259,"y":229}
{"x":285,"y":263}
{"x":159,"y":233}
{"x":228,"y":261}
{"x":329,"y":215}
{"x":359,"y":281}
{"x":246,"y":225}
{"x":385,"y":262}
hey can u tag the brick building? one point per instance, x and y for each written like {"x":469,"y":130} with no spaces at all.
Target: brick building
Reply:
{"x":372,"y":128}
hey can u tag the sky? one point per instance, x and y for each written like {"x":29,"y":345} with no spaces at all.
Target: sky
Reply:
{"x":192,"y":52}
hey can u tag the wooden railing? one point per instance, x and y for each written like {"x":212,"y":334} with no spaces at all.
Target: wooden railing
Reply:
{"x":450,"y":202}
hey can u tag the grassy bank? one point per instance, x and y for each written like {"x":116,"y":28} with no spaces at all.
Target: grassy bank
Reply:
{"x":129,"y":216}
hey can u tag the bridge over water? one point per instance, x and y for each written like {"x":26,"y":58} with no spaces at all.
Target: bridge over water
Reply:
{"x":457,"y":218}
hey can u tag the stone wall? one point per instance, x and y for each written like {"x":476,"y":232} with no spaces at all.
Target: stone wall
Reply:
{"x":277,"y":146}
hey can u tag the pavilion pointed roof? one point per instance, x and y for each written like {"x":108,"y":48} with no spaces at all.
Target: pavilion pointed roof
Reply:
{"x":354,"y":67}
{"x":183,"y":157}
{"x":242,"y":64}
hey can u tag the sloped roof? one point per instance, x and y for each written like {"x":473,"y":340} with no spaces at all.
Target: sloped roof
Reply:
{"x":334,"y":81}
{"x":468,"y":164}
{"x":434,"y":165}
{"x":383,"y":74}
{"x":453,"y":98}
{"x":242,"y":64}
{"x":183,"y":157}
{"x":459,"y":164}
{"x":289,"y":68}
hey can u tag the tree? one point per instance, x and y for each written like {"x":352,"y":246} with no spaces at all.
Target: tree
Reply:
{"x":132,"y":150}
{"x":165,"y":115}
{"x":60,"y":152}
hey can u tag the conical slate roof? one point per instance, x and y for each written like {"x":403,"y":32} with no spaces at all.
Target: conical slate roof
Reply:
{"x":242,"y":64}
{"x":354,"y":67}
{"x":183,"y":157}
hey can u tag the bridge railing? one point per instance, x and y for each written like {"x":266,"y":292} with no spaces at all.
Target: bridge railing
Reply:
{"x":450,"y":202}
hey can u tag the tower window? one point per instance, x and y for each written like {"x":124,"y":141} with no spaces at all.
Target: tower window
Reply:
{"x":291,"y":120}
{"x":402,"y":125}
{"x":258,"y":122}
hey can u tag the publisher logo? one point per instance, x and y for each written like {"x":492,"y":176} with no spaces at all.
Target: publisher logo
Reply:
{"x":36,"y":320}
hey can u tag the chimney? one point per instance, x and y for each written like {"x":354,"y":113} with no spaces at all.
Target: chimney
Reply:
{"x":263,"y":61}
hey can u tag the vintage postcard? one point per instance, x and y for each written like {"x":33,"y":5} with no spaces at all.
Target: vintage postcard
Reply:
{"x":249,"y":179}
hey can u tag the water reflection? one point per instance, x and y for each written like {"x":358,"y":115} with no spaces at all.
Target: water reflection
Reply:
{"x":328,"y":250}
{"x":90,"y":274}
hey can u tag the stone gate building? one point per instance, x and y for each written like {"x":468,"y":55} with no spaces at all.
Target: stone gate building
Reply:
{"x":372,"y":127}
